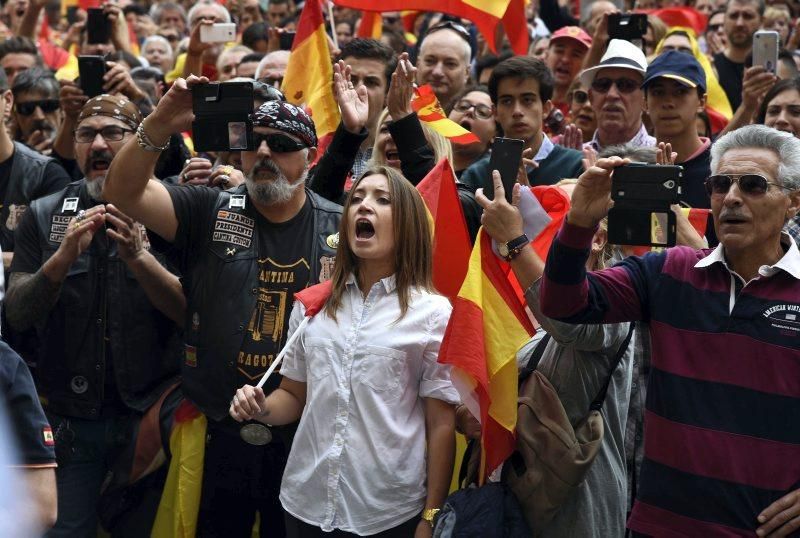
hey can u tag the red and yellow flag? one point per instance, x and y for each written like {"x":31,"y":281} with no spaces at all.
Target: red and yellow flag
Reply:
{"x":310,"y":72}
{"x":429,"y":111}
{"x":451,"y":245}
{"x":485,"y":14}
{"x":487,"y":327}
{"x":370,"y":26}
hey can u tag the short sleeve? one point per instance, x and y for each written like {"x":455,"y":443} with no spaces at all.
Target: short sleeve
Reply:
{"x":27,"y":249}
{"x":32,"y":431}
{"x":435,"y":381}
{"x":294,"y":362}
{"x":54,"y":179}
{"x":193,"y":205}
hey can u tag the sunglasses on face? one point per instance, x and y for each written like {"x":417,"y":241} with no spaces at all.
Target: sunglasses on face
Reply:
{"x":624,"y":85}
{"x":579,"y":97}
{"x":750,"y":184}
{"x":110,"y":133}
{"x":279,"y":143}
{"x":482,"y":112}
{"x":47,"y":106}
{"x":714,"y":27}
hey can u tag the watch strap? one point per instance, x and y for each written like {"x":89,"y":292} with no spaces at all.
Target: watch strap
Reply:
{"x":515,"y":246}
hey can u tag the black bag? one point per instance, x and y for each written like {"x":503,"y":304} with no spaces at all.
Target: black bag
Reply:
{"x":488,"y":511}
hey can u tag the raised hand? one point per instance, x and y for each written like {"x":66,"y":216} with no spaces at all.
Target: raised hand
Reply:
{"x":664,"y":154}
{"x":79,"y":234}
{"x":572,"y":137}
{"x":756,"y":83}
{"x":401,"y":89}
{"x":591,"y":198}
{"x":174,"y":111}
{"x":353,"y":102}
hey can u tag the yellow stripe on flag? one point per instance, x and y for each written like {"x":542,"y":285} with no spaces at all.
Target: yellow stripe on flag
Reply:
{"x":496,"y":8}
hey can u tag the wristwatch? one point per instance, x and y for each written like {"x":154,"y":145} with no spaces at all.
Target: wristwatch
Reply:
{"x":429,"y":514}
{"x":511,"y":250}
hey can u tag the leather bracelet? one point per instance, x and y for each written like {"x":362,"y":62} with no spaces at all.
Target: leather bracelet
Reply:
{"x":145,"y":143}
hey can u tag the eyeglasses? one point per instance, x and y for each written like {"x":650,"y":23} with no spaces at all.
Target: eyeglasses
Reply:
{"x":714,"y":27}
{"x":279,"y":143}
{"x":580,"y":97}
{"x":482,"y":112}
{"x":265,"y":92}
{"x":750,"y":184}
{"x":390,"y":20}
{"x":624,"y":85}
{"x":450,"y":25}
{"x":47,"y":106}
{"x":110,"y":133}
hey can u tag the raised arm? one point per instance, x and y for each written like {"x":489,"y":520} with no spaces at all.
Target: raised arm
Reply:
{"x":129,"y":185}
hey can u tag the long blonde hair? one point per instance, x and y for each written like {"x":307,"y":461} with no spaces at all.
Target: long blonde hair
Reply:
{"x":440,"y":145}
{"x":413,"y":256}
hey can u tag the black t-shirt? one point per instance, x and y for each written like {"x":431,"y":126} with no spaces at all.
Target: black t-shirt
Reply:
{"x":730,"y":78}
{"x":32,"y":431}
{"x":284,"y":268}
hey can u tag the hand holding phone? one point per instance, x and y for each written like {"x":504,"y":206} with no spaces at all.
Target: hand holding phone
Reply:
{"x":91,"y":70}
{"x":765,"y":50}
{"x":221,"y":32}
{"x":506,"y":158}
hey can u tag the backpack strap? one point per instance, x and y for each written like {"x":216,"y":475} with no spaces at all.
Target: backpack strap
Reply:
{"x":601,"y":396}
{"x":533,"y":361}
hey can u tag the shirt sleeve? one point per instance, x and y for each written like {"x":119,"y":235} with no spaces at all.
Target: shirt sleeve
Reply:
{"x":192,"y":205}
{"x":294,"y":362}
{"x":32,"y":430}
{"x":416,"y":155}
{"x":330,"y":174}
{"x":55,"y":178}
{"x":435,"y":381}
{"x":27,"y":249}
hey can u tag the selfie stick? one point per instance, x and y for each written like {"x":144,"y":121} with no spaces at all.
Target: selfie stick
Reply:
{"x":278,"y":360}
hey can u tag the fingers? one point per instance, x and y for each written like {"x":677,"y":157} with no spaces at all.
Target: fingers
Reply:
{"x":114,"y":213}
{"x":499,"y":190}
{"x":516,"y":193}
{"x":247,"y":403}
{"x":782,"y":516}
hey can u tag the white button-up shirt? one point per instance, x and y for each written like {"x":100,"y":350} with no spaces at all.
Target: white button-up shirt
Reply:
{"x":358,"y":459}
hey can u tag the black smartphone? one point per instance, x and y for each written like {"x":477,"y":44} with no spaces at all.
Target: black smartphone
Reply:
{"x":287,"y":39}
{"x":223,"y":116}
{"x":506,"y":158}
{"x":643,"y":194}
{"x":98,"y":27}
{"x":627,"y":26}
{"x":72,"y":15}
{"x":92,"y":69}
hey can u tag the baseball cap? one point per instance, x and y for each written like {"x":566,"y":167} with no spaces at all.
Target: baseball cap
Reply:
{"x":620,"y":53}
{"x":678,"y":66}
{"x":573,"y":33}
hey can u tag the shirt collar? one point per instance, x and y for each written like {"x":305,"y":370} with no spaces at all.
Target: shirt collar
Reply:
{"x":790,"y":262}
{"x":544,"y":149}
{"x":389,"y":283}
{"x":640,"y":139}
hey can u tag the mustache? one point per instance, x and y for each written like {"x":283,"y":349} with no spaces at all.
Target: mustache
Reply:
{"x":266,"y":165}
{"x":103,"y":155}
{"x":43,"y":125}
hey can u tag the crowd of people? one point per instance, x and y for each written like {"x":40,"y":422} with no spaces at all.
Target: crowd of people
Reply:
{"x":150,"y":286}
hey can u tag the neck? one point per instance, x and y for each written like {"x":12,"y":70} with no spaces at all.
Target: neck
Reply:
{"x":6,"y":146}
{"x":371,"y":272}
{"x":616,"y":137}
{"x":684,"y":144}
{"x":278,"y":213}
{"x":747,"y":262}
{"x":737,"y":54}
{"x":536,"y":142}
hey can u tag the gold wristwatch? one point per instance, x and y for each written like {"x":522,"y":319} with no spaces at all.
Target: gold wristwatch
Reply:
{"x":428,"y":514}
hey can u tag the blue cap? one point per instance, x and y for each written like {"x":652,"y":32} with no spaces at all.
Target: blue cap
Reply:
{"x":678,"y":66}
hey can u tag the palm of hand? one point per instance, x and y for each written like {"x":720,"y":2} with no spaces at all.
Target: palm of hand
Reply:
{"x":354,"y":108}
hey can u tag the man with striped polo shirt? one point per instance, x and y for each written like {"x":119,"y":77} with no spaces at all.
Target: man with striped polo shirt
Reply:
{"x":722,"y":442}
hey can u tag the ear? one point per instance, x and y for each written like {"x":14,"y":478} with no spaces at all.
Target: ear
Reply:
{"x":794,"y":205}
{"x":702,"y":105}
{"x":312,"y":154}
{"x":599,"y":241}
{"x":8,"y":103}
{"x":546,"y":108}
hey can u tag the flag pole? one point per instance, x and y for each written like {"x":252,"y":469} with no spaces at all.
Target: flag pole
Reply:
{"x":333,"y":24}
{"x":280,"y":356}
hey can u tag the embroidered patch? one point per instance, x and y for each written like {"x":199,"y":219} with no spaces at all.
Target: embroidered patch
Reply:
{"x":58,"y":227}
{"x":15,"y":213}
{"x":784,"y":317}
{"x":233,"y":228}
{"x":70,"y":204}
{"x":191,"y":356}
{"x":47,"y":436}
{"x":333,"y":240}
{"x":326,"y":264}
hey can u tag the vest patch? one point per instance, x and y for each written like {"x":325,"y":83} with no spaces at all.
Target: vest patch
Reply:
{"x":326,"y":264}
{"x":58,"y":227}
{"x":15,"y":213}
{"x":233,"y":228}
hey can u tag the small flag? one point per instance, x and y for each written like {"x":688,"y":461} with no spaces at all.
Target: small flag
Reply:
{"x":429,"y":111}
{"x":47,"y":436}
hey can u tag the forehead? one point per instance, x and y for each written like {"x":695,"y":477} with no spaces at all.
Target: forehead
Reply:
{"x":568,"y":45}
{"x":98,"y":122}
{"x":677,"y":40}
{"x":479,"y":98}
{"x":32,"y":95}
{"x":666,"y":83}
{"x":717,"y":18}
{"x":789,"y":96}
{"x":373,"y":182}
{"x":367,"y":67}
{"x":275,"y":8}
{"x":752,"y":160}
{"x":517,"y":86}
{"x":157,"y":45}
{"x":17,"y":58}
{"x":741,"y":6}
{"x":208,"y":12}
{"x":444,"y":44}
{"x":270,"y":130}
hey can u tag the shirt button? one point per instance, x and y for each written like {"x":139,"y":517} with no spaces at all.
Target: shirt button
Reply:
{"x":241,"y":327}
{"x":93,"y":411}
{"x":99,"y":321}
{"x":97,"y":367}
{"x":254,"y":291}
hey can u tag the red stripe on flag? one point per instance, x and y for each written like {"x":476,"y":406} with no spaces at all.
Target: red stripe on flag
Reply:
{"x":497,"y":272}
{"x":310,"y":20}
{"x":468,"y":333}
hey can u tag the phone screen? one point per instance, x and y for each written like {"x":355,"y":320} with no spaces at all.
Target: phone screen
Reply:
{"x":98,"y":28}
{"x":91,"y":70}
{"x":506,"y":158}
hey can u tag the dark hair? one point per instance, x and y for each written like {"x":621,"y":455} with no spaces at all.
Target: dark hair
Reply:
{"x":782,"y":86}
{"x":787,"y":58}
{"x":254,"y":33}
{"x":288,"y":19}
{"x":20,"y":45}
{"x":397,"y":41}
{"x":147,"y":73}
{"x":371,"y":49}
{"x":760,"y":5}
{"x":522,"y":67}
{"x":251,"y":57}
{"x":36,"y":79}
{"x":703,"y":116}
{"x":489,"y":61}
{"x":124,"y":56}
{"x":278,"y":2}
{"x":712,"y":14}
{"x":134,"y":8}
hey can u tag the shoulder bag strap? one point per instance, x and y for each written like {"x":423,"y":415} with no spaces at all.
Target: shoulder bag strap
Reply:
{"x":533,"y":361}
{"x":601,"y":396}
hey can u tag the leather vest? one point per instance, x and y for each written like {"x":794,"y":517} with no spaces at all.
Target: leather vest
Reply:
{"x":221,"y":287}
{"x":101,"y":312}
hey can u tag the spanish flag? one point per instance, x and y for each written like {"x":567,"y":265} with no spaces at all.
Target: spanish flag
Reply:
{"x":370,"y":26}
{"x":487,"y":327}
{"x":309,"y":74}
{"x":428,"y":109}
{"x":451,"y":247}
{"x":486,"y":14}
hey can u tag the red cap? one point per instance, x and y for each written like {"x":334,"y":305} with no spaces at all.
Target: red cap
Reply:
{"x":574,"y":33}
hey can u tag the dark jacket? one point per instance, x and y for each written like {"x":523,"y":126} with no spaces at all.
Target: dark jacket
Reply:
{"x":221,"y":286}
{"x":102,"y":312}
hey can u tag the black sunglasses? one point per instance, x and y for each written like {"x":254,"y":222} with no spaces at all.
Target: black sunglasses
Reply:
{"x":624,"y":85}
{"x":450,"y":25}
{"x":47,"y":106}
{"x":713,"y":27}
{"x":750,"y":184}
{"x":279,"y":143}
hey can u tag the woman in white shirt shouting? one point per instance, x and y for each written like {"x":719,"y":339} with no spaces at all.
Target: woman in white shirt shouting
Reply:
{"x":364,"y":379}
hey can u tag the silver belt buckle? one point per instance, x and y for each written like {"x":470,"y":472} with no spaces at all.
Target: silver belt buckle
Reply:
{"x":256,"y":434}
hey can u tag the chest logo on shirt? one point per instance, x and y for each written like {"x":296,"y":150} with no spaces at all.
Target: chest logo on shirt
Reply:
{"x":58,"y":227}
{"x":233,"y":228}
{"x":784,"y":317}
{"x":15,"y":213}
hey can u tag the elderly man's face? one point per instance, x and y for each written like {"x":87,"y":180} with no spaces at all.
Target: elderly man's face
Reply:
{"x":172,"y":18}
{"x":35,"y":111}
{"x":619,"y":112}
{"x":750,"y":221}
{"x":95,"y":148}
{"x":443,"y":64}
{"x":273,"y":67}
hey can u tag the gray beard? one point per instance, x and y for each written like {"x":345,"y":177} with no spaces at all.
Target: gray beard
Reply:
{"x":275,"y":192}
{"x":95,"y":188}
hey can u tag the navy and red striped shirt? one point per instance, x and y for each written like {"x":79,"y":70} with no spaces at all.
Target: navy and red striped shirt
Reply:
{"x":722,"y":419}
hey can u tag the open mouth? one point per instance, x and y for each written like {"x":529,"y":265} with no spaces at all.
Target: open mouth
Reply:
{"x":364,"y":229}
{"x":466,"y":124}
{"x":392,"y":155}
{"x":100,"y":165}
{"x":733,"y":219}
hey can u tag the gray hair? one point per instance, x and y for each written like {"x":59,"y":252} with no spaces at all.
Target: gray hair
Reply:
{"x":785,"y":146}
{"x":157,"y":10}
{"x":209,"y":3}
{"x":157,"y":39}
{"x":275,"y":55}
{"x":637,"y":154}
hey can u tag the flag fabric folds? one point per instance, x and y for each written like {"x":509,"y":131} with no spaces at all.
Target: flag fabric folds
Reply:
{"x":430,"y":112}
{"x":487,"y":327}
{"x":371,"y":25}
{"x":310,"y":72}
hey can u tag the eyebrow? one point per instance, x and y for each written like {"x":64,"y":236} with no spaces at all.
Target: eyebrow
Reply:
{"x":379,"y":191}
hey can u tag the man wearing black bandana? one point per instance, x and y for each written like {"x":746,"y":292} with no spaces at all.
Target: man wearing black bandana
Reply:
{"x":243,"y":254}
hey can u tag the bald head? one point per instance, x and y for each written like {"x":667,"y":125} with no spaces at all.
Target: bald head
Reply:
{"x":443,"y":62}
